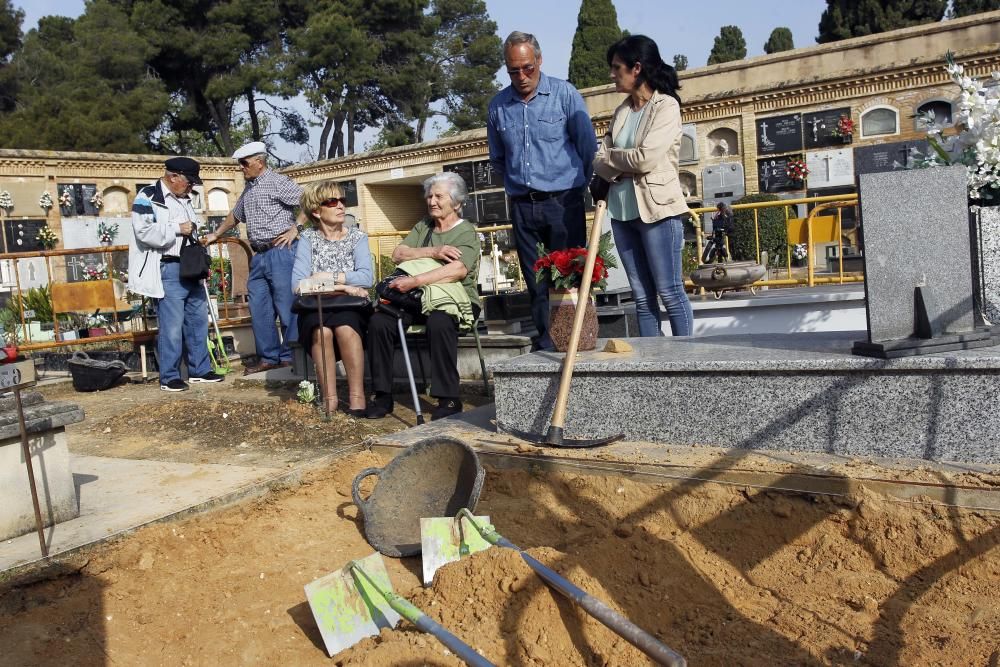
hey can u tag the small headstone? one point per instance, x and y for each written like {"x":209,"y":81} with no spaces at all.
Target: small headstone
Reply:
{"x":916,"y":234}
{"x":779,"y":134}
{"x":895,"y":156}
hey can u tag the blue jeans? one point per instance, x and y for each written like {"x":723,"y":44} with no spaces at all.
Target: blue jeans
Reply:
{"x":270,"y":288}
{"x":557,"y":223}
{"x":651,"y":255}
{"x":182,"y":316}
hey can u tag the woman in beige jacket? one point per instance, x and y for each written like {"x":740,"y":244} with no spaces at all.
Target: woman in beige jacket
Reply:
{"x":638,"y":156}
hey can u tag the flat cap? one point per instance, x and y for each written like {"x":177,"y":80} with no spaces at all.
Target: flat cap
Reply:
{"x":253,"y":148}
{"x":186,"y":167}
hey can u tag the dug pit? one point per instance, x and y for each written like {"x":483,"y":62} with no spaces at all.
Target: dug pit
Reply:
{"x":723,"y":575}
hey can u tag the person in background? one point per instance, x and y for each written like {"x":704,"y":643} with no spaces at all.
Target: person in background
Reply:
{"x":542,"y":142}
{"x":331,"y":252}
{"x":639,"y":158}
{"x":267,"y":206}
{"x":450,"y":245}
{"x":161,"y":216}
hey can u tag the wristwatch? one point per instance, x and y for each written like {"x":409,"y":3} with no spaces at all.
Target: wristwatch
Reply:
{"x":300,"y":228}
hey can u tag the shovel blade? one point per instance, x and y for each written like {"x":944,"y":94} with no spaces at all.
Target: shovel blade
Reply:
{"x":347,"y":609}
{"x":441,"y":542}
{"x":554,"y":438}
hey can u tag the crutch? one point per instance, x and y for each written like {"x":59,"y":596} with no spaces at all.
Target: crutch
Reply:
{"x":390,"y":310}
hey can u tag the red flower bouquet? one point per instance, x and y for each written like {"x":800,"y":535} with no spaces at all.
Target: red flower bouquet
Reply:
{"x":845,"y":127}
{"x":797,"y":170}
{"x":564,"y":268}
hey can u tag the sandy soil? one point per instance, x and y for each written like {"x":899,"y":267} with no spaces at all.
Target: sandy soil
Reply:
{"x":725,"y":576}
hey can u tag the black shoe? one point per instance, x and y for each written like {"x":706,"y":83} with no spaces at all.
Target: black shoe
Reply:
{"x":176,"y":384}
{"x":446,"y":407}
{"x":380,"y":407}
{"x":356,"y":412}
{"x":207,"y":377}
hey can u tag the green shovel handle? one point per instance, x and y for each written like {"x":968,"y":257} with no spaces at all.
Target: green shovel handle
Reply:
{"x":410,"y":612}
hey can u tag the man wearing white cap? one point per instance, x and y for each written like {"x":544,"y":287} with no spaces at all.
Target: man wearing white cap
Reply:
{"x":267,"y":207}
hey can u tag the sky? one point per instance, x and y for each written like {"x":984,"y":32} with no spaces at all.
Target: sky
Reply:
{"x":687,"y":28}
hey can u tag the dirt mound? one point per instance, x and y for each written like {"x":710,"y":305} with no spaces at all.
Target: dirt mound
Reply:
{"x":724,"y":575}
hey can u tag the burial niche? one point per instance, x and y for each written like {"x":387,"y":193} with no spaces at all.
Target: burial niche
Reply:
{"x":722,"y":142}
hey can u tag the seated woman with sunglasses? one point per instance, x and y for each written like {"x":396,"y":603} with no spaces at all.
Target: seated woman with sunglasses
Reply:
{"x":332,"y":253}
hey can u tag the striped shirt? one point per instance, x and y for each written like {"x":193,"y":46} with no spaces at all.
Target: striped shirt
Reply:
{"x":267,"y":206}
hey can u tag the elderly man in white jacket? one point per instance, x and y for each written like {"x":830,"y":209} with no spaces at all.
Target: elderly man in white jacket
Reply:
{"x":161,"y":216}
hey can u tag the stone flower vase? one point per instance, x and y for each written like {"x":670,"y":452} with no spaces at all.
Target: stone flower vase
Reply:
{"x":562,"y":311}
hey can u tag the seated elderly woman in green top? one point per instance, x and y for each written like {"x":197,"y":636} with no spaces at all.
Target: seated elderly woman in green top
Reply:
{"x":331,"y":253}
{"x":451,"y":246}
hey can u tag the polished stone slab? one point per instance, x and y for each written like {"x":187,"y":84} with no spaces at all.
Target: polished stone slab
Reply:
{"x":791,"y":392}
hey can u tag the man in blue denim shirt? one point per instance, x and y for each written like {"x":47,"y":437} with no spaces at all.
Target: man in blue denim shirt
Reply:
{"x":542,"y":142}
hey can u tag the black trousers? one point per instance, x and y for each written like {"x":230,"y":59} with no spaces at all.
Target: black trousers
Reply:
{"x":557,"y":223}
{"x":442,"y":342}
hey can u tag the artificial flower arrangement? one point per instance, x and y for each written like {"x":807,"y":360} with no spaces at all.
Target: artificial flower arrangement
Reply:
{"x":95,"y":272}
{"x":47,"y":238}
{"x":45,"y":201}
{"x":97,"y":200}
{"x":107,"y":232}
{"x":6,"y":201}
{"x":844,"y":127}
{"x":977,"y":144}
{"x":799,"y":251}
{"x":797,"y":170}
{"x":564,"y":268}
{"x":66,"y":198}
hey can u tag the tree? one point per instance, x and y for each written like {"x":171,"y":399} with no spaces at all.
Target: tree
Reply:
{"x":346,"y":57}
{"x":680,"y":62}
{"x":728,"y":46}
{"x":969,"y":7}
{"x":780,"y":40}
{"x":454,"y":76}
{"x":211,"y":54}
{"x":80,"y":91}
{"x":596,"y":30}
{"x":10,"y":41}
{"x":843,"y":19}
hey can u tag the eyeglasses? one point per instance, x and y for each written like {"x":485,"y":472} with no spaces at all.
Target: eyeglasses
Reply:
{"x":333,"y":201}
{"x":244,"y":162}
{"x":527,"y":71}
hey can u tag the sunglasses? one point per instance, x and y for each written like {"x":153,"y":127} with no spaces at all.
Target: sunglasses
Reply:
{"x":527,"y":70}
{"x":244,"y":162}
{"x":333,"y":201}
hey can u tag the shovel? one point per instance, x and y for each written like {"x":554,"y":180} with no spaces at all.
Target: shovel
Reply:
{"x":216,"y":349}
{"x":357,"y":601}
{"x":554,"y":436}
{"x":614,"y":621}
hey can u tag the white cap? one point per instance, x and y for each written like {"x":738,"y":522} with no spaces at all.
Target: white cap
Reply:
{"x":253,"y":148}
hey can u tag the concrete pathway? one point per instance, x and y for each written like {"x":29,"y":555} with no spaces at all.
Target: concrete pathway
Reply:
{"x":117,"y":495}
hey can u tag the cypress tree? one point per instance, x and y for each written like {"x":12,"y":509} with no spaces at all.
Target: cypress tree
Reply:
{"x":968,"y":7}
{"x":780,"y":40}
{"x":596,"y":30}
{"x":843,"y":19}
{"x":729,"y":45}
{"x":680,"y":62}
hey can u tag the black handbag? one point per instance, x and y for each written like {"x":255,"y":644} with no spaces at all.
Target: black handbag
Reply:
{"x":195,"y":262}
{"x":309,"y":303}
{"x":409,"y":302}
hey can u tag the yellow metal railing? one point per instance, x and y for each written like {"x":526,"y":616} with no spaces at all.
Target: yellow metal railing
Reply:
{"x":839,"y":202}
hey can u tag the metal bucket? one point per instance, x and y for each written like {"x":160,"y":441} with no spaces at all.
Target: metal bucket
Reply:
{"x":727,"y":275}
{"x":432,"y":478}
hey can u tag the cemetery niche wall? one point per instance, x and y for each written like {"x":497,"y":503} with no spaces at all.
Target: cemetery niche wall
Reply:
{"x":487,"y":203}
{"x":779,"y":134}
{"x":772,"y":174}
{"x":820,"y":128}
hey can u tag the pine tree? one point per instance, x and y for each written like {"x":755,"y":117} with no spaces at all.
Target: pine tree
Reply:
{"x":780,"y":40}
{"x":596,"y":30}
{"x":843,"y":19}
{"x":969,"y":7}
{"x":729,"y":46}
{"x":680,"y":62}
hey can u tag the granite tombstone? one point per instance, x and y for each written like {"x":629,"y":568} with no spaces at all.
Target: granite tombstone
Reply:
{"x":820,"y":127}
{"x":779,"y":134}
{"x":918,"y":273}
